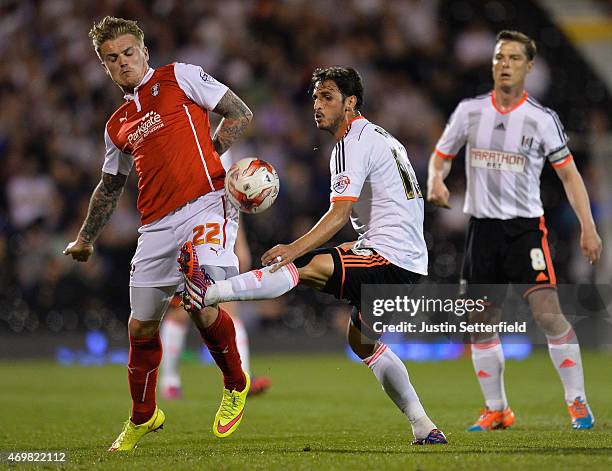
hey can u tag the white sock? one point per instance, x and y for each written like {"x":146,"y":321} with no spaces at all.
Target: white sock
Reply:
{"x":173,"y":339}
{"x":242,"y":343}
{"x":254,"y":284}
{"x":565,"y":354}
{"x":489,"y":362}
{"x":393,"y":376}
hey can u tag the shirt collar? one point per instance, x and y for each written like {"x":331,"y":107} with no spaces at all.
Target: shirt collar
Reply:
{"x":350,"y":123}
{"x":516,"y":105}
{"x":145,"y":79}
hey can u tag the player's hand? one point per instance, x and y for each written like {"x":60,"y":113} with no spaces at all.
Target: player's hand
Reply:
{"x":79,"y":249}
{"x":437,"y":193}
{"x":590,"y":243}
{"x":279,"y":256}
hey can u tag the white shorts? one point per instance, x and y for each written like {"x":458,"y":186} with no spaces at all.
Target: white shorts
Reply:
{"x":209,"y":221}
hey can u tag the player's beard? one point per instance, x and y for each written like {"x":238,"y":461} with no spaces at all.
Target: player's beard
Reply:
{"x":334,"y":125}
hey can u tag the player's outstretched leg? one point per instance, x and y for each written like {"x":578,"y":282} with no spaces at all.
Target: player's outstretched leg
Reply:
{"x":220,"y":338}
{"x":488,"y":360}
{"x":393,"y":376}
{"x":201,"y":291}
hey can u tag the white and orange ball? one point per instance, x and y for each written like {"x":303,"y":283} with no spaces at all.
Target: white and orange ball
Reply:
{"x":251,"y":185}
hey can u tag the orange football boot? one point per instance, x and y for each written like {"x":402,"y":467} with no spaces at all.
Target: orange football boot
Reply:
{"x":493,"y":420}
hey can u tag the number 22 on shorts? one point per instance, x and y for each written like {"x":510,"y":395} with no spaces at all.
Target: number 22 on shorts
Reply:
{"x":207,"y":234}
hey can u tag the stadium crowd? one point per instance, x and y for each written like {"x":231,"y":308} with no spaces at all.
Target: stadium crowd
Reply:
{"x":418,"y":59}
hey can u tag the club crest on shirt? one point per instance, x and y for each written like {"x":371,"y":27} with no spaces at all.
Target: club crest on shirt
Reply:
{"x":526,"y":143}
{"x":155,"y":89}
{"x":341,"y":183}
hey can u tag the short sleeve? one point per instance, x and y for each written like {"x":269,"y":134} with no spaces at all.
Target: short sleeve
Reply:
{"x":554,"y":141}
{"x":115,"y":161}
{"x":454,"y":136}
{"x":200,"y":87}
{"x":349,"y":168}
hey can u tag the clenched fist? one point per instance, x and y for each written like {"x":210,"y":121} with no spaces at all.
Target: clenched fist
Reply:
{"x":80,"y":250}
{"x":437,"y":193}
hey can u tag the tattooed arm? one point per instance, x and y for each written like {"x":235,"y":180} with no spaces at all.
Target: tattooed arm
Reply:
{"x":236,"y":117}
{"x":101,"y":206}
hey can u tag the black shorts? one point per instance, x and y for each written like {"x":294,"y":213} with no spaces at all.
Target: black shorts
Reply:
{"x":498,"y":252}
{"x":354,"y":268}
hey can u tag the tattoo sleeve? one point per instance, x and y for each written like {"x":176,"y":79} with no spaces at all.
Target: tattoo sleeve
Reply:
{"x":236,"y":117}
{"x":101,"y":205}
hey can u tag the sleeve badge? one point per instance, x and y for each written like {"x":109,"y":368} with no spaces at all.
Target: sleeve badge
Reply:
{"x":340,"y":183}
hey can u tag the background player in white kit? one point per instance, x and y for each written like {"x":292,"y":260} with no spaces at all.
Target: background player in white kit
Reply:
{"x":374,"y":184}
{"x":163,"y":128}
{"x":508,"y":138}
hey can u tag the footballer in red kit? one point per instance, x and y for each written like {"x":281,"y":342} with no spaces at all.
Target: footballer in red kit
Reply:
{"x":163,"y":130}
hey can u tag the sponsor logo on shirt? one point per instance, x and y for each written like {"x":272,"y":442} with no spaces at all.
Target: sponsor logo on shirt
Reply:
{"x":341,"y":183}
{"x":149,"y":123}
{"x":497,"y":160}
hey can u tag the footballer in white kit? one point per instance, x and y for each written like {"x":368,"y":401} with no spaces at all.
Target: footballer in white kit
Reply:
{"x":508,"y":138}
{"x":371,"y":168}
{"x":373,"y":184}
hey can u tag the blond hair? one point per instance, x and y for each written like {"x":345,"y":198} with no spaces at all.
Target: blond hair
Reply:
{"x":110,"y":28}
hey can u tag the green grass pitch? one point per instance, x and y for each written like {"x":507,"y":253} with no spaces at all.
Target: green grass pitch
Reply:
{"x":323,"y":412}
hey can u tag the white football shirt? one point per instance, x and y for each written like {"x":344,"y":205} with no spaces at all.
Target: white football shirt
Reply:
{"x":370,"y":167}
{"x":504,"y":154}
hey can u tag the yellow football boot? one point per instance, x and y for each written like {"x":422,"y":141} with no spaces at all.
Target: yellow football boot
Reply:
{"x":131,"y":433}
{"x":231,"y":410}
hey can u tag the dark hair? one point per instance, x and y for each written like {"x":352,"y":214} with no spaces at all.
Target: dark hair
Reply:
{"x":526,"y":41}
{"x":347,"y":80}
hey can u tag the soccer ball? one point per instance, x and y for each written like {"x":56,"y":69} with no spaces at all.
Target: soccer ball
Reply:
{"x":251,"y":185}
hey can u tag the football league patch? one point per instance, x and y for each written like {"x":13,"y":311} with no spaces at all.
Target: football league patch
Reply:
{"x":341,"y":183}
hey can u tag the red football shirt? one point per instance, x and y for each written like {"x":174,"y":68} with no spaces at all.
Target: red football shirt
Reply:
{"x":163,"y":129}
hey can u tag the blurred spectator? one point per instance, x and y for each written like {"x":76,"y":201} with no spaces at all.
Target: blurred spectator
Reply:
{"x":474,"y":45}
{"x":30,"y":194}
